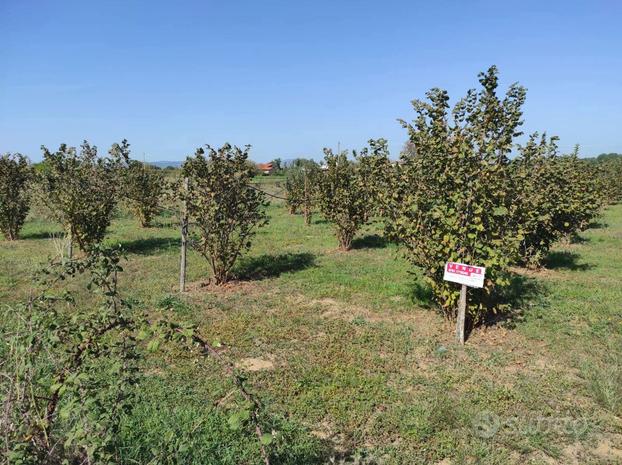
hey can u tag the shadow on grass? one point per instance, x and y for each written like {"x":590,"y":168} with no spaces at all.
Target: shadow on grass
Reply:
{"x":597,"y":225}
{"x":40,"y":235}
{"x":565,"y":260}
{"x":269,"y":266}
{"x":508,"y":307}
{"x":151,"y":244}
{"x":578,"y":239}
{"x":421,"y":294}
{"x":514,"y":301}
{"x":370,"y":241}
{"x":164,"y":224}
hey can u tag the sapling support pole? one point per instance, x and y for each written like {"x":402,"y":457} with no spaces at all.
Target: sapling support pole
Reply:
{"x":184,"y":240}
{"x":70,"y":246}
{"x":461,"y":314}
{"x":307,"y":209}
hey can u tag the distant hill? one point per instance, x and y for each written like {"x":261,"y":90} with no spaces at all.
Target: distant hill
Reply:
{"x":164,"y":164}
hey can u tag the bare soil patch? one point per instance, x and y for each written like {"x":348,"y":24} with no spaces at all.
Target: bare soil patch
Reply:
{"x":256,"y":364}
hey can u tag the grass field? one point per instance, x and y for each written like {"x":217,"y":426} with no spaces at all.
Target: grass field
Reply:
{"x":352,"y":361}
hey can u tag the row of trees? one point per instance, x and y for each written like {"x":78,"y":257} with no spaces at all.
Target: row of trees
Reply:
{"x":456,"y":193}
{"x":80,"y":190}
{"x":610,"y":172}
{"x":458,"y":196}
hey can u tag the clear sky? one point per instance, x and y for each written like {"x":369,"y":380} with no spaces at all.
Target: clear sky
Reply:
{"x":290,"y":77}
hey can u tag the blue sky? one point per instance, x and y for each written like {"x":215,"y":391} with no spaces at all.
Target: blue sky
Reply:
{"x":291,"y":77}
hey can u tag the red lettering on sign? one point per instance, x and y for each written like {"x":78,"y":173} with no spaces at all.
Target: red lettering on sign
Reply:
{"x":463,"y":270}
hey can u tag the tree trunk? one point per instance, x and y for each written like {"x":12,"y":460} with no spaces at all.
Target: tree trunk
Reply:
{"x":345,"y":241}
{"x":220,"y":277}
{"x":145,"y":220}
{"x":11,"y":234}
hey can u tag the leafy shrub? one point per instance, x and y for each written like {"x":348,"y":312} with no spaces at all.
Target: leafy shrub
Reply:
{"x":580,"y":193}
{"x":143,"y":185}
{"x":80,"y":190}
{"x":15,"y":177}
{"x":226,"y":208}
{"x":610,"y":173}
{"x":535,"y":184}
{"x":70,"y":368}
{"x":301,"y":188}
{"x":69,"y":380}
{"x":451,"y":199}
{"x":375,"y":174}
{"x":555,"y":196}
{"x":277,"y":166}
{"x":342,"y":198}
{"x":294,"y":190}
{"x":253,"y":168}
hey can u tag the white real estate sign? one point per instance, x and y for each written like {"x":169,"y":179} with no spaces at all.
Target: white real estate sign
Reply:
{"x":470,"y":275}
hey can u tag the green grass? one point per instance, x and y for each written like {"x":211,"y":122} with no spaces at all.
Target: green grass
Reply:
{"x":362,"y":370}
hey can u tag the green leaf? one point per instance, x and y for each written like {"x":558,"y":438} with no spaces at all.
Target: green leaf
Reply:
{"x":500,"y":211}
{"x":153,"y":345}
{"x":266,"y":439}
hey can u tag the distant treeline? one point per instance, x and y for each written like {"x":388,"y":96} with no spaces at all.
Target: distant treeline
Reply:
{"x":605,"y":157}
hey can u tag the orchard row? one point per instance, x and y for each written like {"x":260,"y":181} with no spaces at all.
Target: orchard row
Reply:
{"x":462,"y":190}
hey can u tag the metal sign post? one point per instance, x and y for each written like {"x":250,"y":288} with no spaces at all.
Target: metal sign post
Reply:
{"x":467,"y":275}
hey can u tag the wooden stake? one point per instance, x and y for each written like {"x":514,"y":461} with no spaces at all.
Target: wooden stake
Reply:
{"x":184,"y":242}
{"x":70,"y":246}
{"x":307,"y":210}
{"x":461,"y":314}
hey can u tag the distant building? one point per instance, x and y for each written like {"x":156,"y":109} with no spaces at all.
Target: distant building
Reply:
{"x":266,"y":168}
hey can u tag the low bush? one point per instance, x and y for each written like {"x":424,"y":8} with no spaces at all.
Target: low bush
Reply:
{"x":15,"y":183}
{"x":457,"y":196}
{"x":142,"y":185}
{"x":301,"y":188}
{"x":70,"y":381}
{"x":375,"y":175}
{"x":555,"y":196}
{"x":342,"y":197}
{"x":609,"y":169}
{"x":226,"y":208}
{"x":81,"y":190}
{"x":451,"y":201}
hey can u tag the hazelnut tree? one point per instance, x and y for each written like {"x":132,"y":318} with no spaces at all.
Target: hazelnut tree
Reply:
{"x":15,"y":178}
{"x":343,"y":197}
{"x":225,"y":207}
{"x":80,"y":189}
{"x":143,"y":186}
{"x":554,"y":197}
{"x":451,"y":199}
{"x":301,"y":188}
